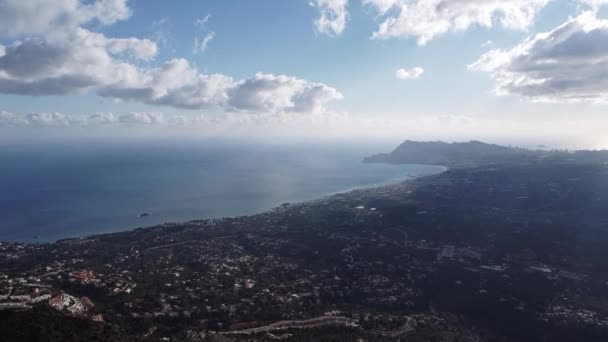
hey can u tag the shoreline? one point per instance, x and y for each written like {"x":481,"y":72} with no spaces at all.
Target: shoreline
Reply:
{"x":388,"y":183}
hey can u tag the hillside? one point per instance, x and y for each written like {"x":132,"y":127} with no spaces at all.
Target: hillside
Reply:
{"x":455,"y":154}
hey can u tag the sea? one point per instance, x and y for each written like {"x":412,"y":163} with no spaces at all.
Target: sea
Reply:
{"x":53,"y":190}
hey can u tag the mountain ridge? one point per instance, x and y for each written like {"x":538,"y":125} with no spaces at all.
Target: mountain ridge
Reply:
{"x":473,"y":153}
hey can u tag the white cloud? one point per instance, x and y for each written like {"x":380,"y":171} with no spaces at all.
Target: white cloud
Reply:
{"x":56,"y":119}
{"x":409,"y":74}
{"x":180,"y":85}
{"x":176,"y":83}
{"x":19,"y":17}
{"x":101,"y":119}
{"x":81,"y":61}
{"x":137,"y":48}
{"x":143,"y":118}
{"x":10,"y":119}
{"x":427,"y":19}
{"x":227,"y":120}
{"x":595,"y":4}
{"x":567,"y":64}
{"x":270,"y":93}
{"x":200,"y":45}
{"x":38,"y":66}
{"x":39,"y":119}
{"x":51,"y":119}
{"x":106,"y":11}
{"x":332,"y":16}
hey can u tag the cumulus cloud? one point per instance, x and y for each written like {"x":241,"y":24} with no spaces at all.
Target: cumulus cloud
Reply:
{"x":43,"y":16}
{"x":567,"y":64}
{"x":176,"y":83}
{"x":38,"y":66}
{"x":179,"y":84}
{"x":79,"y":60}
{"x":409,"y":74}
{"x":267,"y":92}
{"x":427,"y":19}
{"x":332,"y":16}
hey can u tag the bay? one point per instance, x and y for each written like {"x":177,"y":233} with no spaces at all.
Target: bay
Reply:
{"x":56,"y":190}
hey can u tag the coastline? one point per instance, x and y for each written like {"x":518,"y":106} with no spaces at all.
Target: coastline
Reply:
{"x":395,"y":244}
{"x":389,"y":182}
{"x":327,"y":197}
{"x":175,"y":184}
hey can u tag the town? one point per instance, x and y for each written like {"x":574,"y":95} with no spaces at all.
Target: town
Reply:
{"x":492,"y":253}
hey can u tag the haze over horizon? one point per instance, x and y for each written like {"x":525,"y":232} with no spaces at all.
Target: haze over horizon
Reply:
{"x":522,"y":72}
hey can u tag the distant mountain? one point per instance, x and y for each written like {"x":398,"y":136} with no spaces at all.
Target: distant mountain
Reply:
{"x":476,"y":153}
{"x":455,"y":154}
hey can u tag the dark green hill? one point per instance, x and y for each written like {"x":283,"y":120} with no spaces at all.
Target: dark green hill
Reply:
{"x":477,"y":153}
{"x":456,"y":154}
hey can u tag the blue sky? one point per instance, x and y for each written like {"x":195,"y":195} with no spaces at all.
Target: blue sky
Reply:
{"x":280,"y":68}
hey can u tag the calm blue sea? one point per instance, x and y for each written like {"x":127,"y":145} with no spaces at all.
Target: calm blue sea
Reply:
{"x":55,"y":190}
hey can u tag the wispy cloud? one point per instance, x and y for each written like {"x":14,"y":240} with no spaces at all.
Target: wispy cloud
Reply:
{"x":161,"y":32}
{"x":202,"y":22}
{"x":200,"y":45}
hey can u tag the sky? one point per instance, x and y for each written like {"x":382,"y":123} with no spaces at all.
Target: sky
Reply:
{"x":524,"y":72}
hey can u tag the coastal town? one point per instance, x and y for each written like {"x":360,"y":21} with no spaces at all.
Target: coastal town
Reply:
{"x":497,"y":253}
